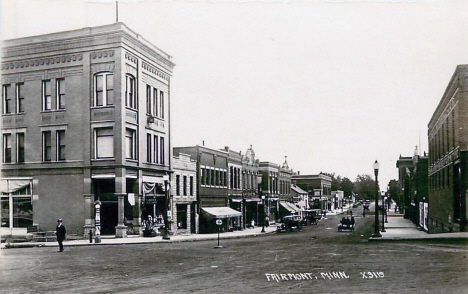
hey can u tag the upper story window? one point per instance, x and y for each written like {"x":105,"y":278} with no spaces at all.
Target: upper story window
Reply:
{"x":191,"y":185}
{"x":156,"y":150}
{"x":104,"y":142}
{"x":148,"y":99}
{"x":60,"y":86}
{"x":161,"y":102}
{"x":130,"y":144}
{"x":130,"y":95}
{"x":161,"y":150}
{"x":20,"y":147}
{"x":155,"y":102}
{"x":46,"y":146}
{"x":177,"y":185}
{"x":60,"y":137}
{"x":185,"y":185}
{"x":104,"y":86}
{"x":19,"y":98}
{"x":7,"y":148}
{"x":46,"y":95}
{"x":149,"y":149}
{"x":6,"y":99}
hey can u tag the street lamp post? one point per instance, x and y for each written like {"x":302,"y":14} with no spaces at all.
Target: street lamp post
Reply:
{"x":386,"y":208}
{"x":376,"y":223}
{"x":263,"y":209}
{"x":166,"y":209}
{"x":383,"y":213}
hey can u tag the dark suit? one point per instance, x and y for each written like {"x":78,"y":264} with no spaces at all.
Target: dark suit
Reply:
{"x":60,"y":231}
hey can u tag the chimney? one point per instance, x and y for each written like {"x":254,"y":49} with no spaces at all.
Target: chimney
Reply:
{"x":226,"y":148}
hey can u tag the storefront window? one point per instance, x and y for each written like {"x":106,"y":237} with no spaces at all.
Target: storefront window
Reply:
{"x":22,"y":212}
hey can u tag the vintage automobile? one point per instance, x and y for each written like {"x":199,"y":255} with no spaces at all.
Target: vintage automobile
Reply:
{"x":311,"y":216}
{"x":346,"y":224}
{"x":290,"y":223}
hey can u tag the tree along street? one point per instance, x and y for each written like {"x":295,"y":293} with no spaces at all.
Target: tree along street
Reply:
{"x":316,"y":260}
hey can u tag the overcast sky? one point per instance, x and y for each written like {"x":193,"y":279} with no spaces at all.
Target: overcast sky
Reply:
{"x":333,"y":85}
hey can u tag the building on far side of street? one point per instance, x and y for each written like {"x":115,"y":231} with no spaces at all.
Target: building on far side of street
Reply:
{"x":448,"y":154}
{"x":184,"y":191}
{"x":318,"y":187}
{"x":300,"y":197}
{"x":85,"y":117}
{"x":251,"y":201}
{"x":269,"y":188}
{"x":213,"y":182}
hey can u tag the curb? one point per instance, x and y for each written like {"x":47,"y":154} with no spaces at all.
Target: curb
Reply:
{"x":428,"y":239}
{"x":23,"y":245}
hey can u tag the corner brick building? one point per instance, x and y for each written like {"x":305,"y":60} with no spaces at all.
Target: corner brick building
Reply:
{"x":86,"y":117}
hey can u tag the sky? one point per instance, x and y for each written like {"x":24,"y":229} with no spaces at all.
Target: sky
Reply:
{"x":332,"y":85}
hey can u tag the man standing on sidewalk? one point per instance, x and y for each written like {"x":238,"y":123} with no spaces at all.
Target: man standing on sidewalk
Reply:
{"x":60,"y":231}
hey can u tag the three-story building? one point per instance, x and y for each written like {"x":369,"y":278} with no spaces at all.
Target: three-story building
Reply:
{"x":86,"y":117}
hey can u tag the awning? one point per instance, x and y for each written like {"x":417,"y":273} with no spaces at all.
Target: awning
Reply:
{"x":13,"y":185}
{"x":220,"y":212}
{"x":253,"y":200}
{"x":290,"y":207}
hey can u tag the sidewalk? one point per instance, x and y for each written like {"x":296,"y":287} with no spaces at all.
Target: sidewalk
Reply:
{"x":401,"y":229}
{"x":147,"y":240}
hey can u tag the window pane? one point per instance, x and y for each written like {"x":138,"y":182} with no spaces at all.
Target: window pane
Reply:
{"x":7,"y":148}
{"x":47,"y":147}
{"x":99,"y":83}
{"x":110,"y":82}
{"x":61,"y":93}
{"x":105,"y":143}
{"x":155,"y":102}
{"x":105,"y":147}
{"x":110,"y":97}
{"x":130,"y":144}
{"x":22,"y":212}
{"x":148,"y":148}
{"x":61,"y":145}
{"x":20,"y":97}
{"x":20,"y":145}
{"x":5,"y":221}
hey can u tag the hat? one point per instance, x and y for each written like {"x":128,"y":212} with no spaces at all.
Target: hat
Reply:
{"x":60,"y":220}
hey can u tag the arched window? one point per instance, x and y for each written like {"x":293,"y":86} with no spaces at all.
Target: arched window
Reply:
{"x":103,"y":89}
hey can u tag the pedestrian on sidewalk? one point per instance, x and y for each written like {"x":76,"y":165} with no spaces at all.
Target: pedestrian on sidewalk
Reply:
{"x":363,"y":213}
{"x":60,"y":231}
{"x":396,"y":207}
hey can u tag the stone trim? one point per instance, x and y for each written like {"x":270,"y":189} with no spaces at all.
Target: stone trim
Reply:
{"x":40,"y":62}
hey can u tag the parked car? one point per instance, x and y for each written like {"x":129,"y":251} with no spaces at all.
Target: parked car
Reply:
{"x":290,"y":223}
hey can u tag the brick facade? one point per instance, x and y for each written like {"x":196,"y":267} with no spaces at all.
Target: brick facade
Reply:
{"x":448,"y":144}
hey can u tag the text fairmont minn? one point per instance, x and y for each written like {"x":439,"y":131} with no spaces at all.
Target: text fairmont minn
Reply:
{"x":320,"y":276}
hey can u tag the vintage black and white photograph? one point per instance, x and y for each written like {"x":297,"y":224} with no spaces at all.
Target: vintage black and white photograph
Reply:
{"x":234,"y":146}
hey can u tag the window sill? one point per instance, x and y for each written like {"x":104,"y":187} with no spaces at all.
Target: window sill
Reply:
{"x":102,"y":106}
{"x":103,"y":159}
{"x":14,"y":114}
{"x":52,"y":110}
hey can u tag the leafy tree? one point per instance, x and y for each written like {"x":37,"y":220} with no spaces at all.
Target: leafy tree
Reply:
{"x":347,"y":187}
{"x":393,"y":190}
{"x":364,"y":186}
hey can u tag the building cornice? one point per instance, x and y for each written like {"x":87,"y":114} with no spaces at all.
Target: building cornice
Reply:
{"x":74,"y":41}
